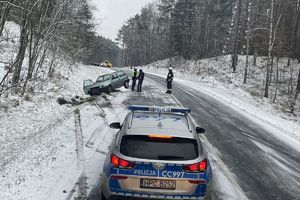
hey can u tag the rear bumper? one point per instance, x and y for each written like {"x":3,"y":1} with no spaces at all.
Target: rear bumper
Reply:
{"x":112,"y":193}
{"x":139,"y":196}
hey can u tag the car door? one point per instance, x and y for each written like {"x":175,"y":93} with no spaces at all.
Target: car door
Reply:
{"x":87,"y":85}
{"x":115,"y":80}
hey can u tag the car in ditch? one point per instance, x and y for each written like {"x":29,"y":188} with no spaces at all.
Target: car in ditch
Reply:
{"x":106,"y":83}
{"x":156,"y":154}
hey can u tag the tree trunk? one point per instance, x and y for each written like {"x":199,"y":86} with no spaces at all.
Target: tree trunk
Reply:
{"x":247,"y":41}
{"x":255,"y":59}
{"x":40,"y":63}
{"x":237,"y":37}
{"x":247,"y":61}
{"x":269,"y":51}
{"x":295,"y":48}
{"x":271,"y":70}
{"x":298,"y":87}
{"x":22,"y":49}
{"x":4,"y":16}
{"x":30,"y":59}
{"x":31,"y":56}
{"x":277,"y":79}
{"x":52,"y":67}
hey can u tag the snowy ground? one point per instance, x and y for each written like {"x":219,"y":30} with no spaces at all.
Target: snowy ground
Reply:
{"x":38,"y":143}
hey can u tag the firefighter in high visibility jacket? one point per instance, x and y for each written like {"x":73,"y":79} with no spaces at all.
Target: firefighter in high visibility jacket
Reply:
{"x":134,"y":78}
{"x":169,"y":80}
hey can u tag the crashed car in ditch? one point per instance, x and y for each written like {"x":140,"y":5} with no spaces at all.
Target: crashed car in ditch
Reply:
{"x":157,"y":154}
{"x":106,"y":83}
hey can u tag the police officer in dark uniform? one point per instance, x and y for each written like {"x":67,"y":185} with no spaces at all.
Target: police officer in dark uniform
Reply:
{"x":169,"y":80}
{"x":140,"y":80}
{"x":134,"y":78}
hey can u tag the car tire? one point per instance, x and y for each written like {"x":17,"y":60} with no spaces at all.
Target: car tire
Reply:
{"x":110,"y":89}
{"x":126,"y":84}
{"x":102,"y":196}
{"x":208,"y":197}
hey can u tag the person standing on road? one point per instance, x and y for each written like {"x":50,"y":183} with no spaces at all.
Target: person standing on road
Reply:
{"x":169,"y":80}
{"x":140,"y":80}
{"x":134,"y":77}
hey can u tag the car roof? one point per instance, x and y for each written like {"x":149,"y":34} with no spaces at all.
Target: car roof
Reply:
{"x":167,"y":124}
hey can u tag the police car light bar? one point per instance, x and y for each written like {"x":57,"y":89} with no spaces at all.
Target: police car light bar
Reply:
{"x":159,"y":109}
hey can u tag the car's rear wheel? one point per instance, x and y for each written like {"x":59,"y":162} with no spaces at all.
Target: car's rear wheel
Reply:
{"x":102,"y":196}
{"x":126,"y":84}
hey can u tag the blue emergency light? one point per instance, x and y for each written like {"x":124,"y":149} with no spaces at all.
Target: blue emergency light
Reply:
{"x":158,"y":109}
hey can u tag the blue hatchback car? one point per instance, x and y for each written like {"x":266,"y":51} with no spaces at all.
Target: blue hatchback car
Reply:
{"x":157,"y":154}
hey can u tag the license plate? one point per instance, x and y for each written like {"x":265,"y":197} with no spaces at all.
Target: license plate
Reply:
{"x":158,"y":184}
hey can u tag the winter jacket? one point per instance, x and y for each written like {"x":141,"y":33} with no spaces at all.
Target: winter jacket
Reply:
{"x":141,"y":76}
{"x":170,"y":76}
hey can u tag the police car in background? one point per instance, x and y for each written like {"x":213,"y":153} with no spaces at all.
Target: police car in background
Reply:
{"x":156,"y":154}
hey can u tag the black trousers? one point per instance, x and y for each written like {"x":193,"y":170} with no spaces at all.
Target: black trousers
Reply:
{"x":139,"y":86}
{"x":169,"y":85}
{"x":133,"y":84}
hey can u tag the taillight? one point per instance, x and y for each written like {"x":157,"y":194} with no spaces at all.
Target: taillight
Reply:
{"x":119,"y":177}
{"x":196,"y":168}
{"x":197,"y":182}
{"x":120,"y":163}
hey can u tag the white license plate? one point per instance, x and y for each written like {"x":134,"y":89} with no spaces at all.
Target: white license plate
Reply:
{"x":158,"y":184}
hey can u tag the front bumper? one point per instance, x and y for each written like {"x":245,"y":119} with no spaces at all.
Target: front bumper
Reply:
{"x":97,"y":90}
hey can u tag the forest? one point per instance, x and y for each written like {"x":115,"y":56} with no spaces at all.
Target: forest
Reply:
{"x":198,"y":29}
{"x":50,"y":30}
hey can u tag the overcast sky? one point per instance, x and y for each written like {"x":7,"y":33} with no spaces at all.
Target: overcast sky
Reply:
{"x":114,"y":13}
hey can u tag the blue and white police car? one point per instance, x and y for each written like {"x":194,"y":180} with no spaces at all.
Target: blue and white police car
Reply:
{"x":156,"y":154}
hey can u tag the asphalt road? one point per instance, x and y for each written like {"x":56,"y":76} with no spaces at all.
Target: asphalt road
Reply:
{"x":264,"y":167}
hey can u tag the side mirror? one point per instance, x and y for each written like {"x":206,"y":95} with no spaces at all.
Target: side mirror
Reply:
{"x":200,"y":130}
{"x":115,"y":125}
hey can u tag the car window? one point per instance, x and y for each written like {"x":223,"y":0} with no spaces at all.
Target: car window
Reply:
{"x":104,"y":78}
{"x":145,"y":147}
{"x":120,"y":73}
{"x":114,"y":76}
{"x":87,"y":83}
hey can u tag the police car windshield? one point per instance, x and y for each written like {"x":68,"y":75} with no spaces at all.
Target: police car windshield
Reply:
{"x":144,"y":147}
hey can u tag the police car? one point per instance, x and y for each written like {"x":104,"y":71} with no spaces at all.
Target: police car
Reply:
{"x":156,"y":154}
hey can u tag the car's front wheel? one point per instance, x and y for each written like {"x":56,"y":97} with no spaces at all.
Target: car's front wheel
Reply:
{"x":110,"y":89}
{"x":126,"y":84}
